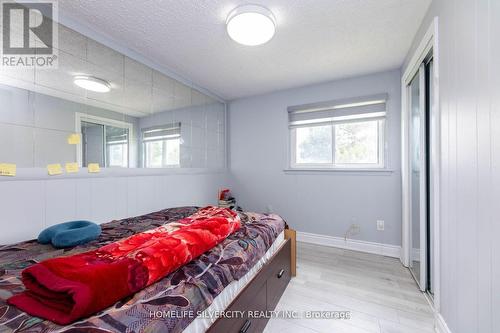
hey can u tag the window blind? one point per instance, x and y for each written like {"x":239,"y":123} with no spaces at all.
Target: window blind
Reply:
{"x":158,"y":133}
{"x":332,"y":111}
{"x":116,"y":135}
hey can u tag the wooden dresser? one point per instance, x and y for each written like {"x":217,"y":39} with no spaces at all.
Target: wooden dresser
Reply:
{"x":261,"y":294}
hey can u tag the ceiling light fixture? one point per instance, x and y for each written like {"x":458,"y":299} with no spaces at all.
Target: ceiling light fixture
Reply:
{"x":92,"y":83}
{"x":251,"y":25}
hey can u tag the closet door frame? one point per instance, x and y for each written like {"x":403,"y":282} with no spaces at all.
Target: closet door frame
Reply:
{"x":428,"y":46}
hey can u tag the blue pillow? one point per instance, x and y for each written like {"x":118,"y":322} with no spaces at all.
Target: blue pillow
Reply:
{"x":69,"y":234}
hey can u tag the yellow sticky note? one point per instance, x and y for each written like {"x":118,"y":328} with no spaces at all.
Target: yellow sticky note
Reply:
{"x":7,"y":169}
{"x":74,"y":139}
{"x":72,"y":167}
{"x":54,"y":169}
{"x":93,"y":167}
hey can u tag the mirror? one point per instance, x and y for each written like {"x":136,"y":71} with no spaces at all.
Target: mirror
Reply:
{"x":415,"y":147}
{"x":146,"y":119}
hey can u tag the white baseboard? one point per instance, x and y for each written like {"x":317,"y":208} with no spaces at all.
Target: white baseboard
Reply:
{"x":351,"y":244}
{"x":440,"y":324}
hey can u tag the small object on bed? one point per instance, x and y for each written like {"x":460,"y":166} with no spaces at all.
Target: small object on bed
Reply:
{"x":69,"y":234}
{"x":227,"y":200}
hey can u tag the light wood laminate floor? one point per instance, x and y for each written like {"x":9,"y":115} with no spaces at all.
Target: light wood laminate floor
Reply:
{"x":378,"y":291}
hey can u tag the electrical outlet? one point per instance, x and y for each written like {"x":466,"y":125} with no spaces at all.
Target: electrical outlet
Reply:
{"x":380,"y":225}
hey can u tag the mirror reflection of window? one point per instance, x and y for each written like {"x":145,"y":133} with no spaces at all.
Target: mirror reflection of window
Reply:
{"x":161,"y":146}
{"x":116,"y":146}
{"x":104,"y":144}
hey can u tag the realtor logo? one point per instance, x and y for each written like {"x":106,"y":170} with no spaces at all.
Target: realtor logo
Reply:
{"x":29,"y":34}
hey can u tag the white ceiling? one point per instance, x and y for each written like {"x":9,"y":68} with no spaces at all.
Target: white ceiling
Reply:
{"x":316,"y":40}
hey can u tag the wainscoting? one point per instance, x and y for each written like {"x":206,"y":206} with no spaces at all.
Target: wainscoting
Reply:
{"x":28,"y":206}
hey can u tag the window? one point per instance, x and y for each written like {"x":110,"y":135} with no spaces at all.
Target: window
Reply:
{"x":104,"y":141}
{"x":342,"y":134}
{"x":117,"y":146}
{"x":314,"y":144}
{"x":161,"y":146}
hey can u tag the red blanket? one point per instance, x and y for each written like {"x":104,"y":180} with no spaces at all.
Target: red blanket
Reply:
{"x":66,"y":289}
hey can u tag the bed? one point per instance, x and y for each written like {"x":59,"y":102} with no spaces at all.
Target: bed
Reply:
{"x":247,"y":271}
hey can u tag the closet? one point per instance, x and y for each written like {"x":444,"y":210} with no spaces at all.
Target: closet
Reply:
{"x":420,"y":93}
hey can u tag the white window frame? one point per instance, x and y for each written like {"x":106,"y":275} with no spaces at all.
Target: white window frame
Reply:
{"x":79,"y":117}
{"x":164,"y":141}
{"x":381,"y":165}
{"x":108,"y":145}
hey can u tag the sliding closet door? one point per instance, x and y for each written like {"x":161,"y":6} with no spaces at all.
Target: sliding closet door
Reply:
{"x":418,"y":176}
{"x":93,"y":143}
{"x":430,"y":178}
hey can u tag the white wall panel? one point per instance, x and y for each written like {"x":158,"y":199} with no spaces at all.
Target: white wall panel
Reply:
{"x":83,"y":188}
{"x":23,"y":210}
{"x":132,"y":204}
{"x":27,"y":207}
{"x":484,"y":198}
{"x":469,"y":50}
{"x":60,"y":201}
{"x":121,"y":195}
{"x":492,"y":225}
{"x":104,"y":200}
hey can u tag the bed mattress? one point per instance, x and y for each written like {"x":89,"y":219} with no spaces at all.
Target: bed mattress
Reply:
{"x":191,"y":289}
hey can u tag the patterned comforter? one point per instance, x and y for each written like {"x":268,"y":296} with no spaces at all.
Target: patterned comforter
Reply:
{"x":189,"y":289}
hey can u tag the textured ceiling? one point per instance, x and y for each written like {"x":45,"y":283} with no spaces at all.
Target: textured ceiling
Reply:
{"x":316,"y":40}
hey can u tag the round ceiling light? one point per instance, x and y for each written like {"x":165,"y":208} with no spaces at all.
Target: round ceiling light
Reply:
{"x":92,"y":83}
{"x":251,"y":25}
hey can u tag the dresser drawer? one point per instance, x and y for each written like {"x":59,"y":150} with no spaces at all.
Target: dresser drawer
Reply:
{"x":251,"y":299}
{"x":260,"y":295}
{"x":279,"y":276}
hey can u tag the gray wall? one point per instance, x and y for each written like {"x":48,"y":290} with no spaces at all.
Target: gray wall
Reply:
{"x":329,"y":202}
{"x":469,"y":51}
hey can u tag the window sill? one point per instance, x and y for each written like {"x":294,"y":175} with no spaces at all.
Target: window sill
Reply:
{"x":362,"y":171}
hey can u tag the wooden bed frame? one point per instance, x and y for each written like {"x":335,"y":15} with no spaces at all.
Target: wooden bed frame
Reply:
{"x":262,"y":293}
